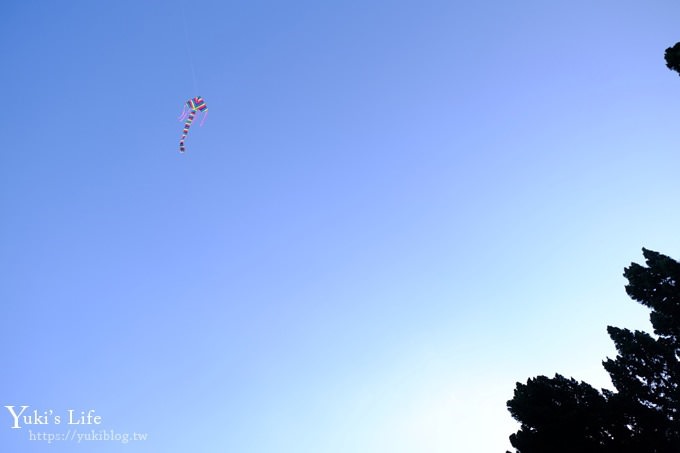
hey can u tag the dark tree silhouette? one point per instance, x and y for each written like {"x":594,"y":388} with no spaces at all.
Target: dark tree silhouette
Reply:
{"x":672,"y":57}
{"x":646,"y":371}
{"x":558,"y":415}
{"x":643,"y":414}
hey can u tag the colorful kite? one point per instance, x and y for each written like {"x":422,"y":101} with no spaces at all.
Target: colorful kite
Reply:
{"x":192,"y":106}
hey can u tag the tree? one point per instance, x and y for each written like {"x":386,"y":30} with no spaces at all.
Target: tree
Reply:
{"x":672,"y":57}
{"x":646,"y":372}
{"x":558,"y":415}
{"x":643,"y":414}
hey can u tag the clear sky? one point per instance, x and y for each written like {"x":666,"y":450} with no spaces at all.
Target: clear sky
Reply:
{"x":394,"y":212}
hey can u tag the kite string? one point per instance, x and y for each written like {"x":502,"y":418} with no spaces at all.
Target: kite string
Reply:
{"x":188,"y":47}
{"x":193,"y":75}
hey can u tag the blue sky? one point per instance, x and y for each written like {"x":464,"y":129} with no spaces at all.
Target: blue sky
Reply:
{"x":394,"y":211}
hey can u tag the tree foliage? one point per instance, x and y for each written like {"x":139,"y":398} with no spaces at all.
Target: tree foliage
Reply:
{"x":643,"y":414}
{"x":672,"y":57}
{"x":558,"y":408}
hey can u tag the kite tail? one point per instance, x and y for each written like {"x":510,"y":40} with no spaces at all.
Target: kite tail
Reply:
{"x":205,"y":115}
{"x":187,"y":125}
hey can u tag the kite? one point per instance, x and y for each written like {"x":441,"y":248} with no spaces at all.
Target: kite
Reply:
{"x":192,"y":106}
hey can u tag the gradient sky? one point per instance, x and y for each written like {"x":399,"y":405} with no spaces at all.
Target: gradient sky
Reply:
{"x":395,"y":211}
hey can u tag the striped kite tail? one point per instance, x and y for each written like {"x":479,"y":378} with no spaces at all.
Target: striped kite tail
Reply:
{"x":185,"y":131}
